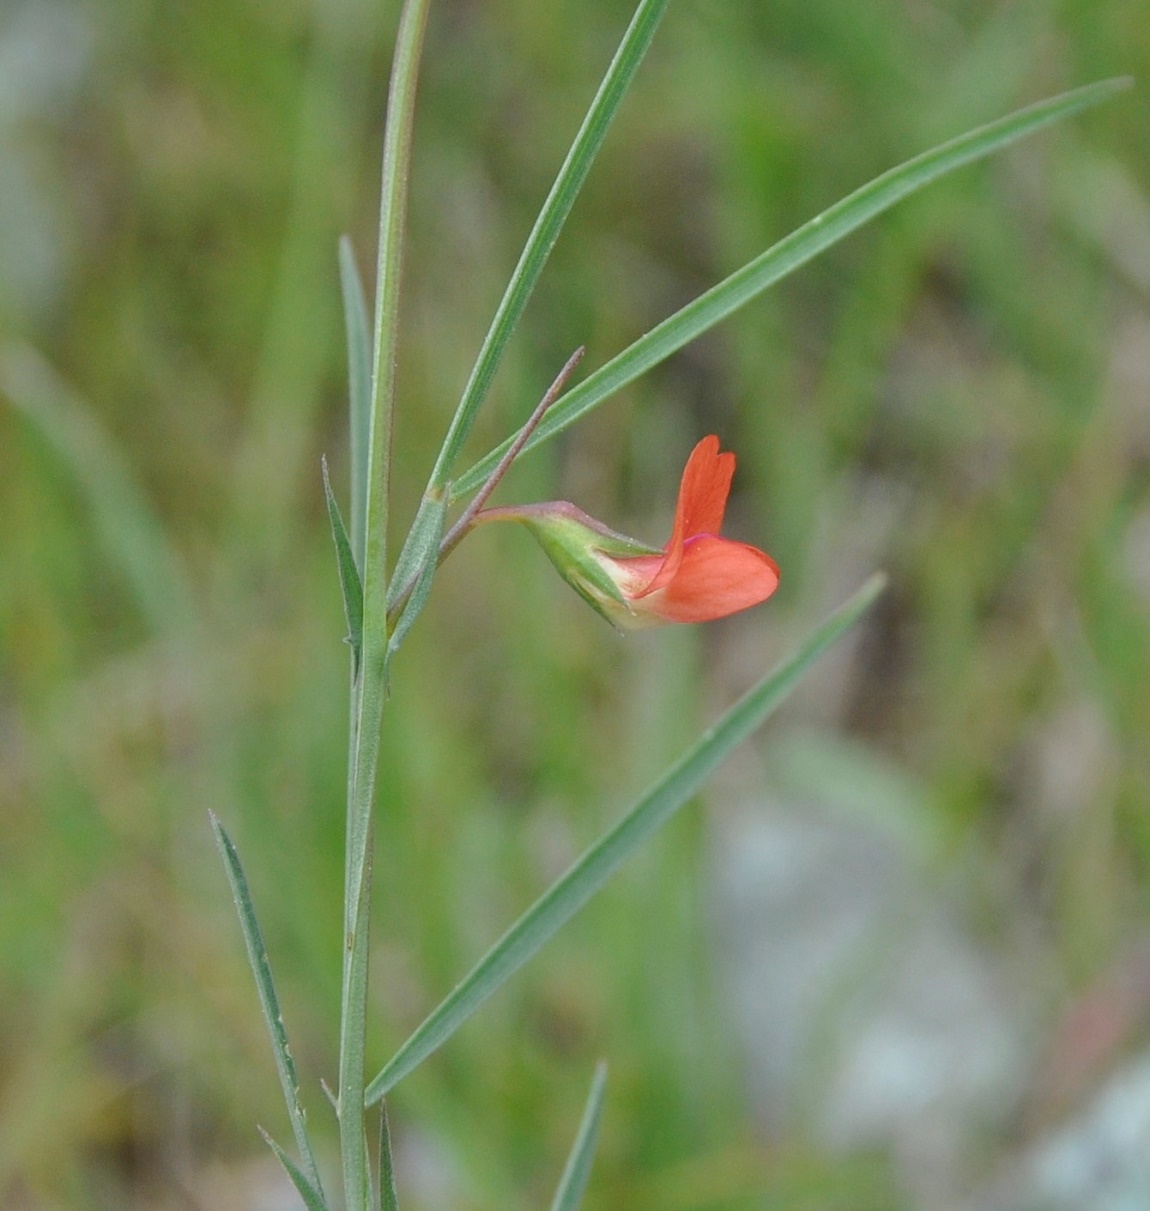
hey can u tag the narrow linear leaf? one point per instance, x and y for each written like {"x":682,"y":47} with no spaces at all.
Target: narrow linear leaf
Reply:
{"x":573,"y":1184}
{"x":388,"y":1199}
{"x":548,"y":225}
{"x":556,"y":207}
{"x":312,"y":1199}
{"x":348,"y":576}
{"x":269,"y":1002}
{"x":359,"y":389}
{"x":783,"y":258}
{"x":591,"y":871}
{"x":395,"y":175}
{"x":436,"y":520}
{"x":421,"y":547}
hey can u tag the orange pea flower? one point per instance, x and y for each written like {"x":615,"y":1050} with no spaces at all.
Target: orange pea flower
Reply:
{"x":696,"y":577}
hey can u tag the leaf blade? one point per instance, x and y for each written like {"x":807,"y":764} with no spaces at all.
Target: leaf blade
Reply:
{"x":359,"y":389}
{"x":552,"y":216}
{"x":577,"y":1171}
{"x":312,"y":1199}
{"x":388,"y":1198}
{"x":269,"y":1001}
{"x":424,"y":560}
{"x":789,"y":254}
{"x":348,"y":573}
{"x":598,"y":863}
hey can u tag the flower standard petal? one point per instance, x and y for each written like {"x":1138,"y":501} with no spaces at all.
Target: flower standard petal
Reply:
{"x":703,"y":491}
{"x":702,"y":503}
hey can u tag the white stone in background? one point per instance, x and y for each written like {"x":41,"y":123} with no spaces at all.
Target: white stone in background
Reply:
{"x":926,"y":1046}
{"x":1099,"y":1161}
{"x":869,"y":1013}
{"x":45,"y":52}
{"x":1136,"y":548}
{"x":427,"y":1168}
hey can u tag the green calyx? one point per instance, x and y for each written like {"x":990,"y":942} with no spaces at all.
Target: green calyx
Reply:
{"x":585,"y":553}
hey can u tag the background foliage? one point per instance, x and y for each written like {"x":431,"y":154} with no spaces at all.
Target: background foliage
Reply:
{"x":957,"y":394}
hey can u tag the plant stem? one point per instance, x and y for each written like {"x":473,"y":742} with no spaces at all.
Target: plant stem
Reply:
{"x":370,"y":690}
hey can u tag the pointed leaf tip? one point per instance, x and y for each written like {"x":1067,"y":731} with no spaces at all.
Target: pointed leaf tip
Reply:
{"x":577,"y":1172}
{"x":269,"y":1002}
{"x":599,"y":862}
{"x":312,"y":1198}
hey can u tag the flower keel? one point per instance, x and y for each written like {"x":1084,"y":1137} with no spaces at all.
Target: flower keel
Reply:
{"x":697,"y":577}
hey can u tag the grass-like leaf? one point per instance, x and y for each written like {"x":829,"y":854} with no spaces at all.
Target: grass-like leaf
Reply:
{"x":359,"y":389}
{"x":573,"y":1184}
{"x":591,"y":871}
{"x":537,"y":249}
{"x":269,"y":1003}
{"x":788,"y":255}
{"x":427,"y":552}
{"x":312,"y":1198}
{"x":388,"y":1199}
{"x":348,"y":575}
{"x":420,"y":549}
{"x":550,"y":222}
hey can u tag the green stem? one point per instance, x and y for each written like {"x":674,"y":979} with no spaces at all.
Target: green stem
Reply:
{"x":370,"y":691}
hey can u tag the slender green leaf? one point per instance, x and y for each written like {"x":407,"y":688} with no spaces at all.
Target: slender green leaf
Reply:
{"x":428,"y":553}
{"x":785,"y":257}
{"x":541,"y":240}
{"x":569,"y":1195}
{"x":388,"y":1199}
{"x":591,"y":871}
{"x":421,"y":547}
{"x":312,"y":1199}
{"x":535,"y":252}
{"x":547,"y":227}
{"x":269,"y":1002}
{"x":413,"y":552}
{"x":359,"y":390}
{"x":348,"y":576}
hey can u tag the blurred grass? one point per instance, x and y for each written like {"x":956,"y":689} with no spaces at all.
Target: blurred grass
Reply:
{"x":957,"y":394}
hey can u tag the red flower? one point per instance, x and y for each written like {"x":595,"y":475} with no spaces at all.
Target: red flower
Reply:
{"x":697,"y":576}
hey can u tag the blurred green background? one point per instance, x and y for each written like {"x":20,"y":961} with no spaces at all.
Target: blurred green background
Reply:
{"x":959,"y":394}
